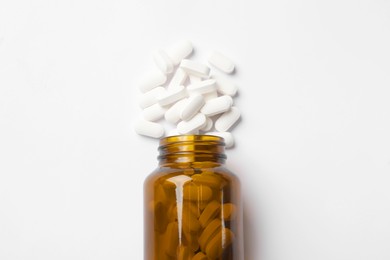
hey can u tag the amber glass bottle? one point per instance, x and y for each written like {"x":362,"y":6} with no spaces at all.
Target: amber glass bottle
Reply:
{"x":193,"y":208}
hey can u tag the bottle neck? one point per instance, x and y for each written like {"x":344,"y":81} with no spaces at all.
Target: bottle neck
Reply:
{"x":183,"y":150}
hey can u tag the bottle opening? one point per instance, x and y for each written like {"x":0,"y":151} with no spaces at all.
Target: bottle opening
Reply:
{"x":192,"y":148}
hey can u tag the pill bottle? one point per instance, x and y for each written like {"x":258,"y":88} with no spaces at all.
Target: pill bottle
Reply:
{"x":193,"y":207}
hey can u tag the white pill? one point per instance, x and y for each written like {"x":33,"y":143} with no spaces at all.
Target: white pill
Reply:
{"x":172,"y":96}
{"x":173,"y":113}
{"x":154,"y":112}
{"x":202,"y":87}
{"x":151,"y":80}
{"x":194,"y":79}
{"x":210,"y":95}
{"x":150,"y":129}
{"x":193,"y":132}
{"x":217,"y":105}
{"x":173,"y":132}
{"x":227,"y":119}
{"x":208,"y":125}
{"x":228,"y":138}
{"x":163,"y":62}
{"x":225,"y":86}
{"x":178,"y":79}
{"x":150,"y":98}
{"x":193,"y":125}
{"x":179,"y":51}
{"x":192,"y":107}
{"x":221,"y":62}
{"x":195,"y":68}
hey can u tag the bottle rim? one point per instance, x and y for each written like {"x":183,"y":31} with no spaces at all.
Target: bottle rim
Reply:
{"x":191,"y":138}
{"x":185,"y":148}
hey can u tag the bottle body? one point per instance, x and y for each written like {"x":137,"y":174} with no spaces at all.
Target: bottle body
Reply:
{"x":193,"y":207}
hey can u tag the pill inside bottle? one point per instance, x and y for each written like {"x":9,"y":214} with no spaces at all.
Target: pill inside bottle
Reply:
{"x":193,"y":207}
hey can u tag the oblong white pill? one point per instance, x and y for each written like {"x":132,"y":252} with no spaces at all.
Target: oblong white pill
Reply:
{"x":194,"y":132}
{"x":172,"y":115}
{"x":228,"y":138}
{"x":163,"y":62}
{"x":151,"y":80}
{"x":173,"y":132}
{"x":221,"y":62}
{"x":150,"y":98}
{"x":192,"y":107}
{"x":194,"y":79}
{"x":193,"y":125}
{"x":179,"y":51}
{"x":227,"y":119}
{"x":150,"y":129}
{"x":225,"y":86}
{"x":154,"y":112}
{"x":195,"y":68}
{"x":178,"y":79}
{"x":172,"y":96}
{"x":217,"y":105}
{"x":208,"y":125}
{"x":202,"y":87}
{"x":210,"y":95}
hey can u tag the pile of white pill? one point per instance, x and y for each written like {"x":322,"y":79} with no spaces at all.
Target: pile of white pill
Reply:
{"x":188,"y":95}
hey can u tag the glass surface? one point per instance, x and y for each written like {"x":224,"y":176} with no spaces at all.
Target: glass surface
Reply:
{"x":193,"y":206}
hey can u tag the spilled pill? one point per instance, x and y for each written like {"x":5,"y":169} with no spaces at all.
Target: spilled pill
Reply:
{"x":172,"y":96}
{"x":178,"y":79}
{"x":163,"y":62}
{"x":225,"y":86}
{"x":227,"y":137}
{"x":221,"y":62}
{"x":208,"y":125}
{"x":194,"y":79}
{"x":227,"y":119}
{"x":151,"y":81}
{"x":179,"y":51}
{"x":173,"y":113}
{"x":150,"y":97}
{"x":210,"y":95}
{"x":194,"y":124}
{"x":173,"y":132}
{"x":191,"y":107}
{"x":154,"y":112}
{"x":202,"y":87}
{"x":217,"y":105}
{"x":150,"y":129}
{"x":195,"y":68}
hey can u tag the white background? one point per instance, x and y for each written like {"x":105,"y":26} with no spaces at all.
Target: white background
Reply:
{"x":313,"y":146}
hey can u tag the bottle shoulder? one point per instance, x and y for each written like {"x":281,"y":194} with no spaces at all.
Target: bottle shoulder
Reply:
{"x":161,"y":174}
